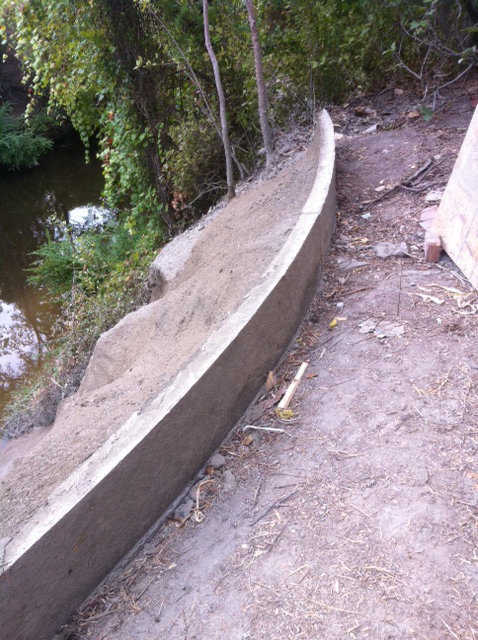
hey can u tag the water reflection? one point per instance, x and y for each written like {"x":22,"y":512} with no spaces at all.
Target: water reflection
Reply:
{"x":61,"y":183}
{"x":21,"y":343}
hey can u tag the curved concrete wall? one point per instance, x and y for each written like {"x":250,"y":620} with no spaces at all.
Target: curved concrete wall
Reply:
{"x":103,"y":508}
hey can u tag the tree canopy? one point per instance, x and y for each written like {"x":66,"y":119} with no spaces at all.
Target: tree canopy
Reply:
{"x":135,"y":74}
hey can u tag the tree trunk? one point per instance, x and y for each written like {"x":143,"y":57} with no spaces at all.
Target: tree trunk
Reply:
{"x":222,"y":102}
{"x":261,"y":88}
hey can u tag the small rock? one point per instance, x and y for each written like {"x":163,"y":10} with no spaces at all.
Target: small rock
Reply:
{"x":251,"y":438}
{"x":363,"y":111}
{"x":389,"y":249}
{"x":183,"y":512}
{"x":389,"y":330}
{"x":229,"y":481}
{"x":419,"y":476}
{"x":367,"y":326}
{"x":371,"y":129}
{"x":434,"y":196}
{"x":398,"y":92}
{"x":350,"y":263}
{"x":383,"y":330}
{"x":217,"y":461}
{"x":149,"y":548}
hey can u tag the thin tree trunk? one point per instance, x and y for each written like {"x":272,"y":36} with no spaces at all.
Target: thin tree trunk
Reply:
{"x":222,"y":102}
{"x":261,"y":88}
{"x":195,"y":80}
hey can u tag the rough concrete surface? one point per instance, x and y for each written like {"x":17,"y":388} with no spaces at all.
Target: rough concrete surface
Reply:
{"x":88,"y":522}
{"x":133,"y":361}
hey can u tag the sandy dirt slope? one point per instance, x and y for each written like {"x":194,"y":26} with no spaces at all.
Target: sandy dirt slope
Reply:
{"x":133,"y":361}
{"x":360,"y":519}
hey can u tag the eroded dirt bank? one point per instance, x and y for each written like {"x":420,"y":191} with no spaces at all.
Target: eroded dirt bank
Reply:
{"x":359,"y":519}
{"x":133,"y":361}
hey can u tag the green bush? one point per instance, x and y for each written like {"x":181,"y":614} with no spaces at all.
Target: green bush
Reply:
{"x":91,"y":262}
{"x":97,"y":278}
{"x":20,"y":146}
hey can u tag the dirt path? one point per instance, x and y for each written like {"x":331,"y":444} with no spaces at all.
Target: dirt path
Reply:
{"x":359,"y":519}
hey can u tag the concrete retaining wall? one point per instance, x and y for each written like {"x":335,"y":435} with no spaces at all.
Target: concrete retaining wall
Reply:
{"x":103,"y":508}
{"x":457,"y":218}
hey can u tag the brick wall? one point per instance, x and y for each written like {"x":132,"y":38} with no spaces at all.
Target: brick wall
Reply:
{"x":457,"y":218}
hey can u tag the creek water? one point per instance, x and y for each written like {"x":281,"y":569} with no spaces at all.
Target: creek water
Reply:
{"x":64,"y":181}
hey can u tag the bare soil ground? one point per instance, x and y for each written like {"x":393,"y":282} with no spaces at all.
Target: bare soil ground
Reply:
{"x":359,"y":519}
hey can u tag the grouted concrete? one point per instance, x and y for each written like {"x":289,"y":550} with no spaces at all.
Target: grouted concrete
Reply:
{"x":99,"y":512}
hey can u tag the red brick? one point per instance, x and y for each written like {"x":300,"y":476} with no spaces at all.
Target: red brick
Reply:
{"x":432,"y":247}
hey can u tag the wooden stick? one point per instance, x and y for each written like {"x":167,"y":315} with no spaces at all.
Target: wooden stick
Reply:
{"x":252,"y":426}
{"x":289,"y":394}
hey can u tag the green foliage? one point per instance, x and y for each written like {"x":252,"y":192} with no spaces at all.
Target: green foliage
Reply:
{"x":55,"y":266}
{"x":97,"y":278}
{"x":96,"y":260}
{"x":435,"y":41}
{"x":20,"y":146}
{"x":135,"y":74}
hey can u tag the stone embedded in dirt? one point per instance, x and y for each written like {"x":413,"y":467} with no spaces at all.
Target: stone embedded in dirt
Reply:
{"x":350,"y":263}
{"x":371,"y":129}
{"x":367,"y":326}
{"x":184,"y":510}
{"x":217,"y":461}
{"x":382,"y":329}
{"x":389,"y":249}
{"x":434,"y":196}
{"x":388,"y":329}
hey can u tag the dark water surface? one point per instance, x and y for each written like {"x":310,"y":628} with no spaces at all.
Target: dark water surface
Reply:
{"x":26,"y":198}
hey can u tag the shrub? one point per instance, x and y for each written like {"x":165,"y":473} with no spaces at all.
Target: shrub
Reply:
{"x":20,"y":146}
{"x":94,"y":261}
